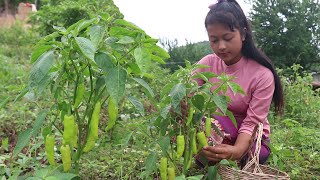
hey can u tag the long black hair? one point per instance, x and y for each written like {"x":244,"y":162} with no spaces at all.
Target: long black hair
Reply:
{"x":229,"y":12}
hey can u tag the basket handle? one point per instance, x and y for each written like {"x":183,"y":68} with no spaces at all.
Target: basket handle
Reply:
{"x":255,"y":159}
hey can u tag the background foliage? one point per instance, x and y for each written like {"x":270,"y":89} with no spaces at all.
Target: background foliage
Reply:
{"x":288,"y":31}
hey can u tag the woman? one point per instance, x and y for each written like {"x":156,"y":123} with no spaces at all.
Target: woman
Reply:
{"x":235,"y":54}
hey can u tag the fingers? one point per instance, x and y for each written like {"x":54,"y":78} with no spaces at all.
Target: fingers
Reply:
{"x":211,"y":156}
{"x":216,"y":153}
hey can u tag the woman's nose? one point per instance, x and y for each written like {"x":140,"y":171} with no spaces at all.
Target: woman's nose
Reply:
{"x":222,"y":46}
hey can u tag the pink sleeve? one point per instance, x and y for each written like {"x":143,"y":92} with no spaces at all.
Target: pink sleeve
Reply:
{"x":259,"y":105}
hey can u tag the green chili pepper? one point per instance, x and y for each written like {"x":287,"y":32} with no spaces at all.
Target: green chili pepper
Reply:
{"x":208,"y":127}
{"x":49,"y":144}
{"x":194,"y":142}
{"x":66,"y":157}
{"x":163,"y":168}
{"x":69,"y":128}
{"x":79,"y":94}
{"x":113,"y":113}
{"x":191,"y":111}
{"x":93,"y":128}
{"x":202,"y":139}
{"x":75,"y":136}
{"x":171,"y":173}
{"x":180,"y":145}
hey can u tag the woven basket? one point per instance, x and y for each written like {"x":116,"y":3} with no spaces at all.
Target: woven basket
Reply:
{"x":253,"y":170}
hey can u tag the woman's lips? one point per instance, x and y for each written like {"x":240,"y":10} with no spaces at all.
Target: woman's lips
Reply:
{"x":223,"y":55}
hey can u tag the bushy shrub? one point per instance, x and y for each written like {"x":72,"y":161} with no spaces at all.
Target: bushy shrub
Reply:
{"x":16,"y":41}
{"x":64,"y":13}
{"x":301,"y":102}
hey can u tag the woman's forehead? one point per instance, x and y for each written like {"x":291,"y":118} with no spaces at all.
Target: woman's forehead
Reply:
{"x":220,"y":27}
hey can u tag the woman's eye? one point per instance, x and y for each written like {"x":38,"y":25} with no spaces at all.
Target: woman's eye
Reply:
{"x":214,"y":41}
{"x":228,"y":39}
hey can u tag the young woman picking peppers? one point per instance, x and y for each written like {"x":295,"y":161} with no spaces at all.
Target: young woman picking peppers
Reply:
{"x":235,"y":54}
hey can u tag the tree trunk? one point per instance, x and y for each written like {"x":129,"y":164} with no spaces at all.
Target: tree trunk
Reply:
{"x":6,"y":7}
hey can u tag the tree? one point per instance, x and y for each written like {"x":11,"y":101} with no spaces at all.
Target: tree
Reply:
{"x":192,"y":52}
{"x":288,"y":31}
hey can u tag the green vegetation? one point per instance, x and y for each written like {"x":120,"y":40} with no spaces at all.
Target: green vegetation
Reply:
{"x":288,"y":31}
{"x":133,"y":147}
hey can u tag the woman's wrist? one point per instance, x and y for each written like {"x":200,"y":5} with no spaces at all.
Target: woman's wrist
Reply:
{"x":241,"y":146}
{"x":236,"y":153}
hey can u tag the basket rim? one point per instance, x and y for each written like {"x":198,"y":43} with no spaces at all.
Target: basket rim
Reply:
{"x":281,"y":174}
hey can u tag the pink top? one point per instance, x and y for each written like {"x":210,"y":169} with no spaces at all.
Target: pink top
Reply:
{"x":258,"y":83}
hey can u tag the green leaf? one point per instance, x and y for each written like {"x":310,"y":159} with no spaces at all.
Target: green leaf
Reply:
{"x":126,"y":139}
{"x":212,"y":172}
{"x":157,"y":59}
{"x":41,"y":68}
{"x":158,"y":51}
{"x":46,"y":130}
{"x":145,"y":85}
{"x":5,"y":143}
{"x":39,"y":122}
{"x":50,"y":37}
{"x":96,"y":35}
{"x":200,"y":76}
{"x":51,"y":178}
{"x":104,"y":61}
{"x":83,"y":25}
{"x":64,"y":176}
{"x":198,"y":101}
{"x":166,"y":89}
{"x":182,"y":177}
{"x":60,"y":29}
{"x":115,"y":82}
{"x":127,"y":24}
{"x":151,"y":162}
{"x":86,"y":47}
{"x":176,"y":95}
{"x":33,"y":178}
{"x":164,"y":143}
{"x":22,"y":93}
{"x":164,"y":111}
{"x":4,"y":102}
{"x":41,"y":172}
{"x":221,"y":102}
{"x":236,"y":88}
{"x":126,"y":40}
{"x":233,"y":119}
{"x":201,"y":66}
{"x":23,"y":140}
{"x":120,"y":31}
{"x":142,"y":58}
{"x":137,"y":104}
{"x":198,"y":177}
{"x":38,"y":51}
{"x":209,"y":74}
{"x":134,"y":68}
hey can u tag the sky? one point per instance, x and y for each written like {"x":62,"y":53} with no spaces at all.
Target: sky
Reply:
{"x":170,"y":19}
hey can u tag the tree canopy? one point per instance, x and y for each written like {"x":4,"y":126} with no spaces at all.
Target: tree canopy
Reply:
{"x":192,"y":52}
{"x":288,"y":31}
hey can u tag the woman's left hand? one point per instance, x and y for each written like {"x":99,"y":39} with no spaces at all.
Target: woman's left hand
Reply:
{"x":219,"y":152}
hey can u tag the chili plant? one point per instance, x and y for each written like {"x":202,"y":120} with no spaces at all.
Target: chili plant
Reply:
{"x":184,"y":131}
{"x":83,"y":68}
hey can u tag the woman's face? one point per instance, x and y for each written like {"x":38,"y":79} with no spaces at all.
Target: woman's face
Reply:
{"x":225,"y":43}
